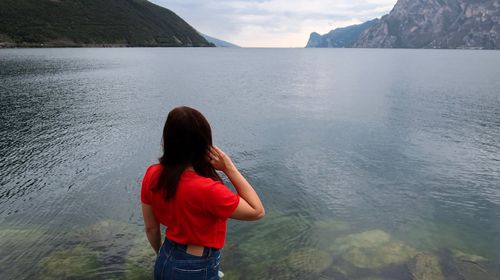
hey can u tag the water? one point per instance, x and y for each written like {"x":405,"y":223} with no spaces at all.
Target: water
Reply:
{"x":369,"y":162}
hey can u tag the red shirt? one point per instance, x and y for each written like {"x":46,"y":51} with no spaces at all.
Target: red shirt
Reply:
{"x":198,"y":212}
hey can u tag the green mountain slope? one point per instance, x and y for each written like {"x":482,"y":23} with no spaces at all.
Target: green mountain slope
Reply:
{"x":72,"y":23}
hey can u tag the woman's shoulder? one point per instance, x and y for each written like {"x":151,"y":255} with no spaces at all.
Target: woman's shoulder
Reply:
{"x":153,"y":170}
{"x":154,"y":167}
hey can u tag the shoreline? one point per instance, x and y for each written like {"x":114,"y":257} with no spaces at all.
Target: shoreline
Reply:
{"x":4,"y":45}
{"x":48,"y":46}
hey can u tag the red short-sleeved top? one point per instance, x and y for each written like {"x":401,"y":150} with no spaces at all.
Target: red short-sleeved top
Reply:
{"x":197,"y":214}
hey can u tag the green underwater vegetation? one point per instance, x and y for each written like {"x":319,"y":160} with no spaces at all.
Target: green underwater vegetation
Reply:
{"x":140,"y":260}
{"x":21,"y":243}
{"x":232,"y":275}
{"x":105,"y":231}
{"x":279,"y":247}
{"x":15,"y":234}
{"x":73,"y":263}
{"x":430,"y":236}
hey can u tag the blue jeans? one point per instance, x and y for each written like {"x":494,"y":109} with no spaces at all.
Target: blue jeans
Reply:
{"x":173,"y":263}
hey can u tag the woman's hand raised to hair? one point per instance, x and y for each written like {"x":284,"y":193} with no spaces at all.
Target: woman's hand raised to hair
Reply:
{"x":250,"y":207}
{"x":220,"y":161}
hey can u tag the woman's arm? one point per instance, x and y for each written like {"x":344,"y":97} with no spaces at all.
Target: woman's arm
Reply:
{"x":152,"y":227}
{"x":250,"y":207}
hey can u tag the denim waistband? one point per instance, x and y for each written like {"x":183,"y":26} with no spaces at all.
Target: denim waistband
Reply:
{"x":207,"y":252}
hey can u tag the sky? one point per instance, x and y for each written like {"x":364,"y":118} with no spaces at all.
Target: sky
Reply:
{"x":273,"y":23}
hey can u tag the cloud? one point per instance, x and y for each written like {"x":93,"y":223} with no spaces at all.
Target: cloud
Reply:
{"x":274,"y":23}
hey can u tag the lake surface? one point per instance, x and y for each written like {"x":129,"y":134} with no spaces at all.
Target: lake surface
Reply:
{"x":371,"y":163}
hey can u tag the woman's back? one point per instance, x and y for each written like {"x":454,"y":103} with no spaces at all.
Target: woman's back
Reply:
{"x":197,"y":214}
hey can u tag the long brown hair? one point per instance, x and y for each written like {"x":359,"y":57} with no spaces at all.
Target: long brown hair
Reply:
{"x":187,"y":136}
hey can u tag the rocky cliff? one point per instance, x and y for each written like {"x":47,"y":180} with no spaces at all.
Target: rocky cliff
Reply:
{"x":440,"y":24}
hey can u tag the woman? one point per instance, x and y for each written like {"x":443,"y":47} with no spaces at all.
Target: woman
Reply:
{"x":185,"y":193}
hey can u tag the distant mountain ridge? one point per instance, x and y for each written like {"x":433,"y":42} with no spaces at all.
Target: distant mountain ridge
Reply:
{"x":76,"y":23}
{"x":443,"y":24}
{"x":343,"y":37}
{"x":218,"y":42}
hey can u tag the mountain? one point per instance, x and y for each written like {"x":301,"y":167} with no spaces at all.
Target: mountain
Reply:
{"x":443,"y":24}
{"x":437,"y":24}
{"x":219,"y":43}
{"x":339,"y":38}
{"x":76,"y":23}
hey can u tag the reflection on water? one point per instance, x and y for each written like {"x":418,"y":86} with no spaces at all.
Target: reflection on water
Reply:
{"x":372,"y":164}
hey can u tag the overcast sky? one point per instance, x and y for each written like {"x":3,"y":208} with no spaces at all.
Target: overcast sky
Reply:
{"x":273,"y":23}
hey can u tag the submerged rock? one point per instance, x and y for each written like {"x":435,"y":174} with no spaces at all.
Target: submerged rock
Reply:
{"x":376,"y":257}
{"x":372,"y":278}
{"x":426,"y":267}
{"x":470,"y":266}
{"x":324,"y":232}
{"x":139,"y":263}
{"x":365,"y":239}
{"x":304,"y":264}
{"x":372,"y":249}
{"x":77,"y":262}
{"x":473,"y":271}
{"x":309,"y":260}
{"x":429,"y":236}
{"x":264,"y":246}
{"x":268,"y":248}
{"x":461,"y":256}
